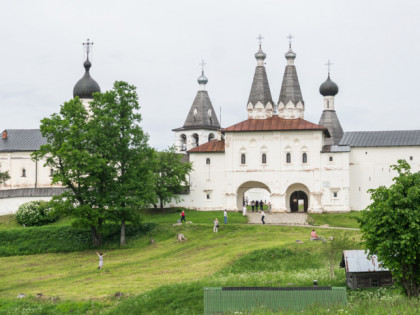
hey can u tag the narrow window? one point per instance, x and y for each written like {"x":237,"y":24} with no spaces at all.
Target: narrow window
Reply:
{"x":304,"y":158}
{"x":208,"y":196}
{"x":335,"y":194}
{"x":331,"y":158}
{"x":23,"y":173}
{"x":288,"y":158}
{"x":51,"y":172}
{"x":411,"y":158}
{"x":243,"y":158}
{"x":264,"y":158}
{"x":328,"y":104}
{"x":208,"y":161}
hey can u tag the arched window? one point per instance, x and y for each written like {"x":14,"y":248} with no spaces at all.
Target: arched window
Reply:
{"x":264,"y":158}
{"x":208,"y":161}
{"x":23,"y":172}
{"x":331,"y":158}
{"x":304,"y":158}
{"x":211,"y":136}
{"x":288,"y":158}
{"x":51,"y":172}
{"x":195,"y":140}
{"x":243,"y":158}
{"x":183,"y":140}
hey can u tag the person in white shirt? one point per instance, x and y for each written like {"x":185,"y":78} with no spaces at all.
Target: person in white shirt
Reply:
{"x":225,"y":215}
{"x":262,"y":216}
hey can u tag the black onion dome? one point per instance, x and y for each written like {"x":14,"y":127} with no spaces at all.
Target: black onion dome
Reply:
{"x":86,"y":86}
{"x":328,"y":88}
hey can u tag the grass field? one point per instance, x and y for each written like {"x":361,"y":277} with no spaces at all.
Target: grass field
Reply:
{"x":168,"y":277}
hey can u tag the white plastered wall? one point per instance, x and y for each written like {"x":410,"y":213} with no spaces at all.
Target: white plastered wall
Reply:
{"x":370,"y":168}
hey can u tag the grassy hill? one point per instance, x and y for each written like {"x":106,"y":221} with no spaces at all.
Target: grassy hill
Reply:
{"x":166,"y":277}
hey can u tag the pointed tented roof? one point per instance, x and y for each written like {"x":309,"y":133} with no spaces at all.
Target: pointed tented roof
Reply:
{"x":260,"y":90}
{"x":211,"y":146}
{"x":329,"y":119}
{"x":275,"y":123}
{"x":290,"y":88}
{"x":198,"y":116}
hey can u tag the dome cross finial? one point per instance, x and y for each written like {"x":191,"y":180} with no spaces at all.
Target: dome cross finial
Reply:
{"x":329,"y":64}
{"x":260,"y":38}
{"x":202,"y":64}
{"x":290,"y":37}
{"x":87,"y":47}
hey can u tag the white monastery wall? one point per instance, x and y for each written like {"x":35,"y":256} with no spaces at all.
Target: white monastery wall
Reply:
{"x":207,"y":183}
{"x":370,"y":168}
{"x":11,"y":205}
{"x":23,"y":171}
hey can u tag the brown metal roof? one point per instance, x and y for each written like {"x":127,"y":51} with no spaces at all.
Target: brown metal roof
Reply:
{"x":211,"y":146}
{"x":274,"y":123}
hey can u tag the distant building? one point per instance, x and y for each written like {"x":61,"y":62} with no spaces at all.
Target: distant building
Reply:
{"x":302,"y":166}
{"x":362,"y":272}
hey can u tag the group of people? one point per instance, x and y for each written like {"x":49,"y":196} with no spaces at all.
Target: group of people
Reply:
{"x":256,"y":204}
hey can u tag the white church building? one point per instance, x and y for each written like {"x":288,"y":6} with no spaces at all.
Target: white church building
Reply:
{"x":301,"y":166}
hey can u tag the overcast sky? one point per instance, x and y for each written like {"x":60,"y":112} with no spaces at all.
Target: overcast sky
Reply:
{"x":157,"y":45}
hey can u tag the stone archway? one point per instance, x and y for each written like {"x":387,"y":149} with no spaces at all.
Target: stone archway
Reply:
{"x":242,"y":189}
{"x":297,"y":198}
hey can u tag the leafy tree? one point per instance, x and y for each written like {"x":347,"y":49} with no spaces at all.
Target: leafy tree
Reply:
{"x":391,"y":227}
{"x":170,"y":175}
{"x":333,"y":249}
{"x":102,"y":157}
{"x":4,"y":176}
{"x":70,"y":152}
{"x":121,"y":142}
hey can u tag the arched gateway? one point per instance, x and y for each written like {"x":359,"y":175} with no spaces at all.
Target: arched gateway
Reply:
{"x":242,"y":189}
{"x":297,"y":198}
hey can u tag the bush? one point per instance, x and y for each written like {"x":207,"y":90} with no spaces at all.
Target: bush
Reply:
{"x":36,"y":213}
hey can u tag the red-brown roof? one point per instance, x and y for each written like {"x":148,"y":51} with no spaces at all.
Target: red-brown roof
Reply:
{"x":211,"y":146}
{"x":274,"y":123}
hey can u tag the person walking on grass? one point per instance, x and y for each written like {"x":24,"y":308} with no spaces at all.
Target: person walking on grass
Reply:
{"x":183,"y":216}
{"x":225,"y":215}
{"x":101,"y":260}
{"x":262,"y":216}
{"x":216,"y":226}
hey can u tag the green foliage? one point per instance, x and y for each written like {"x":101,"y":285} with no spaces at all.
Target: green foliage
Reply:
{"x":333,"y":250}
{"x":391,"y":227}
{"x":44,"y":306}
{"x":4,"y":176}
{"x":36,"y":213}
{"x":274,"y":259}
{"x":348,"y":220}
{"x":170,"y":175}
{"x":56,"y":239}
{"x":103,"y":159}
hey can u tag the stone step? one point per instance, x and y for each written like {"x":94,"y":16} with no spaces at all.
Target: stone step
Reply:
{"x":278,"y":218}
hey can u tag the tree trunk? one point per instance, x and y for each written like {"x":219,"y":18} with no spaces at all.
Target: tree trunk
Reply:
{"x":161,"y":204}
{"x":155,"y":206}
{"x":96,"y":237}
{"x":122,"y":238}
{"x":411,"y":288}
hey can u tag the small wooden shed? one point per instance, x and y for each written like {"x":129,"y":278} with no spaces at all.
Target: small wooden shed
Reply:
{"x":362,"y":272}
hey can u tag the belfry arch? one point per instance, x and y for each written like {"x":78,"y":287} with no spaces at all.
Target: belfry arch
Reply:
{"x":243,"y":188}
{"x":297,"y":198}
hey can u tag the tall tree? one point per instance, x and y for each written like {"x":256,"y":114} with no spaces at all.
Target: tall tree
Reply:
{"x":391,"y":227}
{"x":170,"y":175}
{"x":123,"y":145}
{"x":70,"y":153}
{"x":4,"y":176}
{"x":102,"y":157}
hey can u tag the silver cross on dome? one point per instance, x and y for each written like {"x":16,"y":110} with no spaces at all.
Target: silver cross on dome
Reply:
{"x":88,"y":47}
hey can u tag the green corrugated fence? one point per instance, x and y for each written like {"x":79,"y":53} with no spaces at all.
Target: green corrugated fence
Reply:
{"x":240,"y":299}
